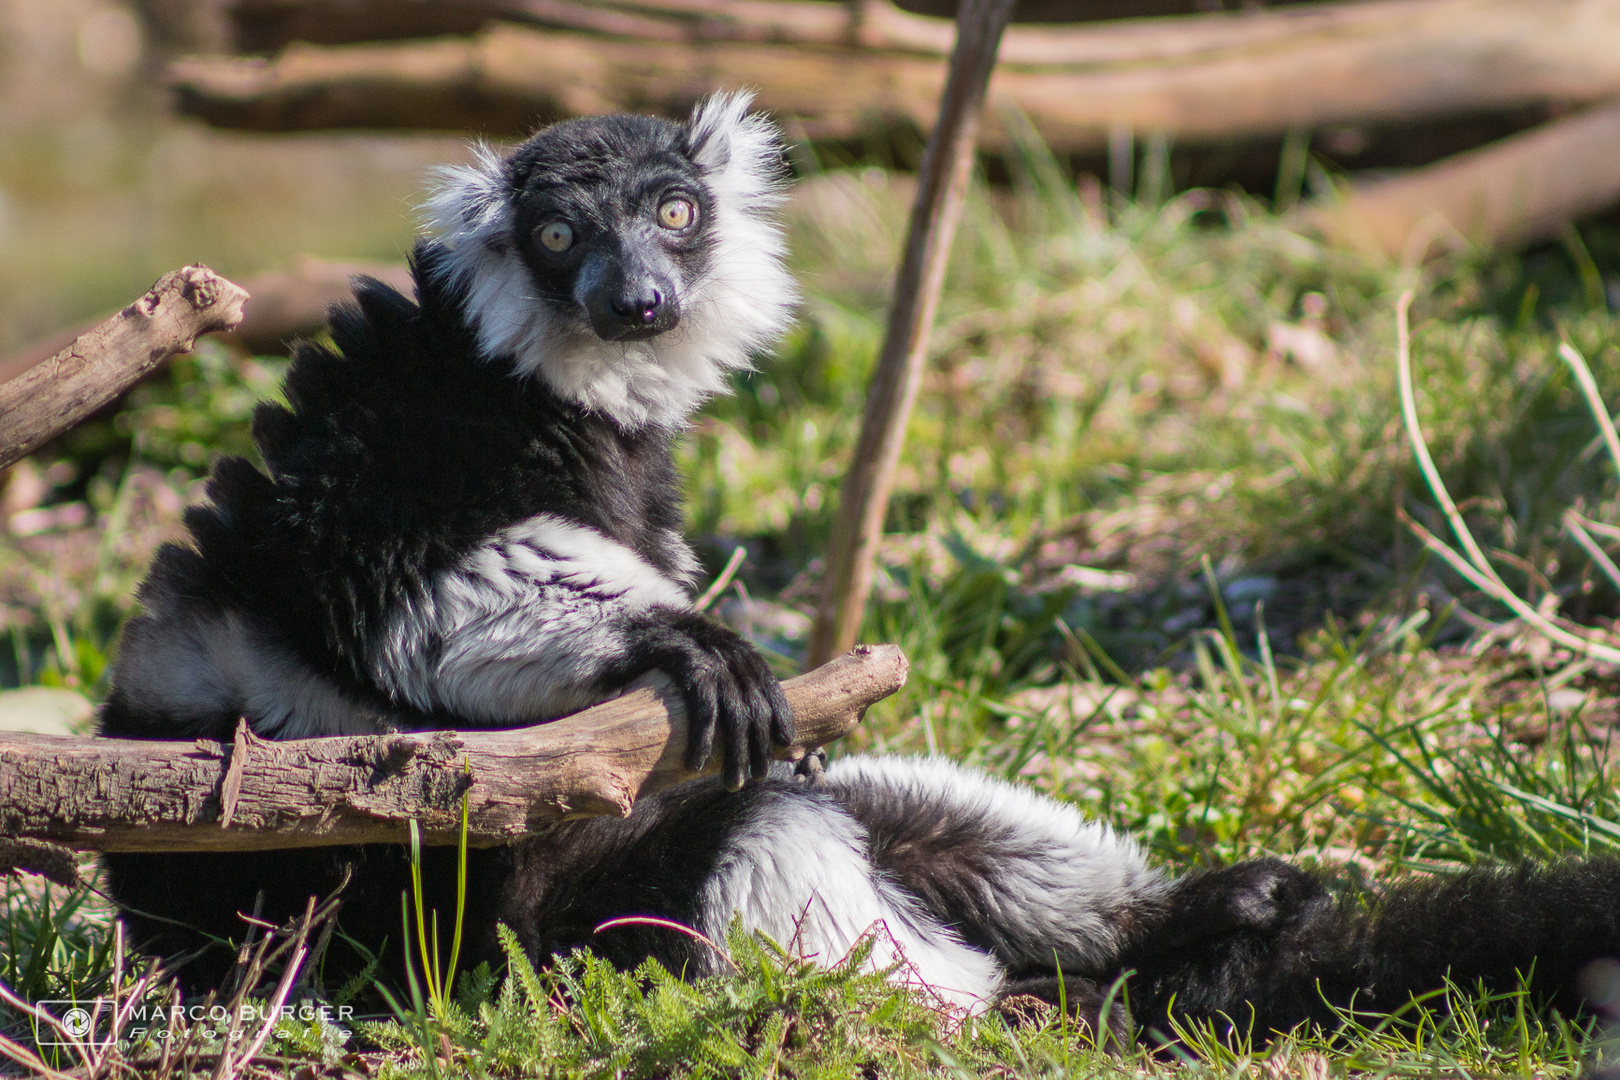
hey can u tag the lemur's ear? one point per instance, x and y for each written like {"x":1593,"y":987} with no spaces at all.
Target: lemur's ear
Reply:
{"x":714,"y":127}
{"x":471,"y":202}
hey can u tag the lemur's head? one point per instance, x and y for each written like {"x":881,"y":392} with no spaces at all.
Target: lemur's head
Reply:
{"x":628,"y":261}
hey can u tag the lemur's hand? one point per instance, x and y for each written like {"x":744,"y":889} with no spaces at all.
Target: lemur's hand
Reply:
{"x":728,"y":690}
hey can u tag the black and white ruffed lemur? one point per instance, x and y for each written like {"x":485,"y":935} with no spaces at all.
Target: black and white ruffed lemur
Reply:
{"x":469,"y":517}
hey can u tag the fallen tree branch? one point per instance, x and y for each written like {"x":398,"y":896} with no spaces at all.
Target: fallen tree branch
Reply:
{"x":282,"y":306}
{"x":140,"y":795}
{"x":1522,"y":188}
{"x":875,"y":25}
{"x":55,"y":395}
{"x":1194,"y":78}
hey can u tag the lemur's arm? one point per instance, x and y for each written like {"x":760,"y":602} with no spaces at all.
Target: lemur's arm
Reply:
{"x":549,"y":617}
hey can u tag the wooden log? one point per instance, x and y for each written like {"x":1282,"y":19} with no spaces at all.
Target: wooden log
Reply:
{"x":142,"y":795}
{"x":282,"y":306}
{"x":941,"y":186}
{"x":1519,"y":189}
{"x":879,"y":25}
{"x":1196,"y":78}
{"x":99,"y":365}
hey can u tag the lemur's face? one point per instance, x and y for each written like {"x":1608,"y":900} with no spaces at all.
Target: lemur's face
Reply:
{"x":629,"y":262}
{"x":612,"y":219}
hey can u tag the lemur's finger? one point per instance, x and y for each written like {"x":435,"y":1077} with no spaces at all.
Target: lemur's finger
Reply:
{"x":753,"y":680}
{"x":701,"y":718}
{"x":758,"y":732}
{"x":759,"y":747}
{"x":781,"y":714}
{"x":734,"y":757}
{"x":734,"y":713}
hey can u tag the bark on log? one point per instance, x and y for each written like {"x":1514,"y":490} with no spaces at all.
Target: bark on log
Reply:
{"x":282,"y":306}
{"x":1198,"y":78}
{"x":99,"y":365}
{"x":1519,"y":189}
{"x":128,"y":795}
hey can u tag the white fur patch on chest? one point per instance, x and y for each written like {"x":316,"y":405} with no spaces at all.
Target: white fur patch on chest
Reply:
{"x":521,"y":630}
{"x":547,"y":549}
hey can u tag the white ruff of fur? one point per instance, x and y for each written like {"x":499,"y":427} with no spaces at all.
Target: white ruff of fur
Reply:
{"x":1059,"y":884}
{"x":522,"y":629}
{"x":741,"y":306}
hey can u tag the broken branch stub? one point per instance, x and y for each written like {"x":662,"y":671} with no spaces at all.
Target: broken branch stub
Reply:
{"x":52,"y":397}
{"x":142,"y":795}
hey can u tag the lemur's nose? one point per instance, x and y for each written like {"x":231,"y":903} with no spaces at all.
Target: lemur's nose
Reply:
{"x":640,"y":310}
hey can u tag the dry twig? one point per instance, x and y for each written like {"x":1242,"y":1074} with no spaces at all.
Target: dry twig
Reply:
{"x":1476,"y":568}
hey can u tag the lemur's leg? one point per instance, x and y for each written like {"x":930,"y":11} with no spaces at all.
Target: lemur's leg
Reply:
{"x":1047,"y":891}
{"x":191,"y":666}
{"x":1016,"y":874}
{"x":550,"y":616}
{"x":1257,"y":944}
{"x":790,"y":861}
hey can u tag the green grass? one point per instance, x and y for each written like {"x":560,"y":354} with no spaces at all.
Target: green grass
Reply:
{"x":1138,"y":560}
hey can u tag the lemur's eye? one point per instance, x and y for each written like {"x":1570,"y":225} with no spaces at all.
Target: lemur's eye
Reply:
{"x":556,"y":235}
{"x":676,"y":213}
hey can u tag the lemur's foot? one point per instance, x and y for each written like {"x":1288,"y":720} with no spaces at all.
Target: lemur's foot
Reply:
{"x":811,"y":770}
{"x":1027,"y":1002}
{"x":1265,"y":895}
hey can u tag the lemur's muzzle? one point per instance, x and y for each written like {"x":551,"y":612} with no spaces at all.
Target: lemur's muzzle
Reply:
{"x":627,"y":295}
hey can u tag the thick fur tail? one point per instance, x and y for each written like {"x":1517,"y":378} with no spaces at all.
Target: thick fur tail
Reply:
{"x":1266,"y":946}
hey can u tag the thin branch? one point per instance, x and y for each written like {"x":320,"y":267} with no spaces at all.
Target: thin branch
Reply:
{"x":1420,"y":447}
{"x":718,"y":586}
{"x":946,"y":167}
{"x":1608,"y":532}
{"x":1594,"y":400}
{"x":1572,"y":522}
{"x":1477,"y":568}
{"x":1502,"y":594}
